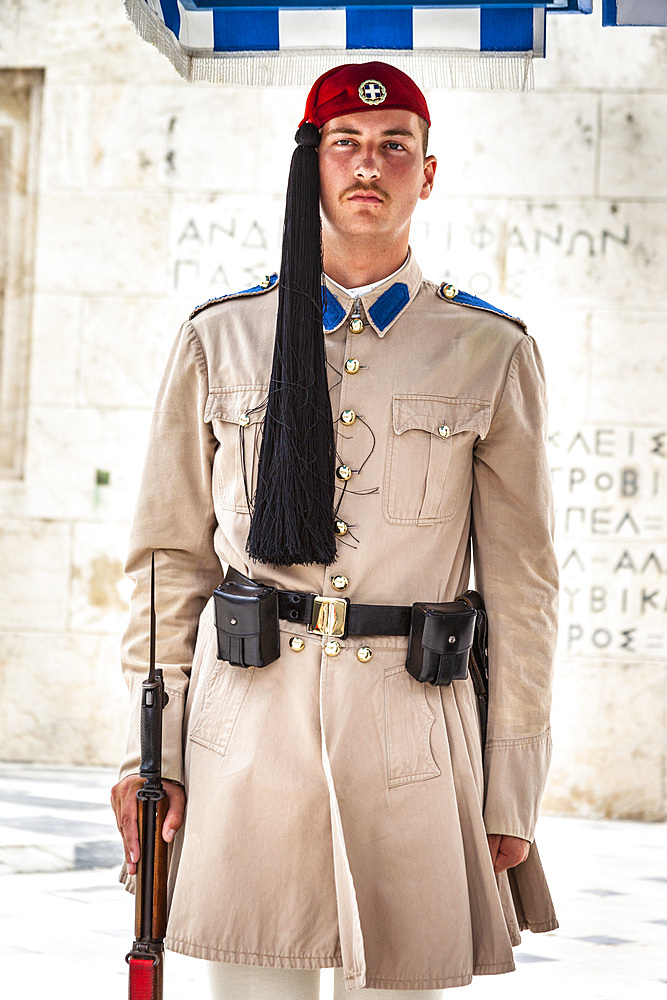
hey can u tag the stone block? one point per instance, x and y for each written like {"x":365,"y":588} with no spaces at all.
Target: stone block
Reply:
{"x":279,"y":109}
{"x":100,"y":593}
{"x":100,"y":243}
{"x":91,"y":42}
{"x":125,"y":345}
{"x":62,"y":699}
{"x":73,"y":451}
{"x":583,"y":56}
{"x":563,"y":336}
{"x":628,"y":366}
{"x":65,"y":141}
{"x":54,"y":360}
{"x":178,"y":138}
{"x":12,"y":498}
{"x":609,"y":721}
{"x":497,"y":141}
{"x":633,"y":147}
{"x":34,"y":555}
{"x":9,"y":29}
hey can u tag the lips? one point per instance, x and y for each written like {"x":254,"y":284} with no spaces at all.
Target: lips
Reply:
{"x":368,"y":197}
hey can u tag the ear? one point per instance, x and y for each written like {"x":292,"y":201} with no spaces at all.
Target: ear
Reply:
{"x":430,"y":166}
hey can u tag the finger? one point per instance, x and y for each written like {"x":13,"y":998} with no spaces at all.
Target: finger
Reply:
{"x":124,"y":802}
{"x":132,"y":846}
{"x":130,"y":833}
{"x":173,"y":821}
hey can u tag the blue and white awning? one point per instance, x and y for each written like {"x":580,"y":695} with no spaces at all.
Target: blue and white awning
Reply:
{"x":449,"y":43}
{"x":634,"y":12}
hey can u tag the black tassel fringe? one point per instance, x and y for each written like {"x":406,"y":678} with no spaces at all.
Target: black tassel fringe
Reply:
{"x":293,"y":516}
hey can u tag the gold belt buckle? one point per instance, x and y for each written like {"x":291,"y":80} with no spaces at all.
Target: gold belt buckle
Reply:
{"x":329,"y":616}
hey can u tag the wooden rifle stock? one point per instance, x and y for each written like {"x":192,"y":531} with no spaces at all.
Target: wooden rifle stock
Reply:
{"x":150,"y":915}
{"x":150,"y":912}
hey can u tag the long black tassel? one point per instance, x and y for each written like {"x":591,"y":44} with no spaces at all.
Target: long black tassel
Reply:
{"x":293,"y":516}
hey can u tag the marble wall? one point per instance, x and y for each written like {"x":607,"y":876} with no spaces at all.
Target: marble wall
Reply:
{"x":152,"y":195}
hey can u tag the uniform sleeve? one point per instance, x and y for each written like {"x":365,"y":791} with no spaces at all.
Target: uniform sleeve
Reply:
{"x":516,"y":571}
{"x":175,"y":519}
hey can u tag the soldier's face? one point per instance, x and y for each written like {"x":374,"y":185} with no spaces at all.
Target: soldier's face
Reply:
{"x":372,"y":173}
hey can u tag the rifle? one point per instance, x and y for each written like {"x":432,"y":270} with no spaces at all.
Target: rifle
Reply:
{"x":146,"y":958}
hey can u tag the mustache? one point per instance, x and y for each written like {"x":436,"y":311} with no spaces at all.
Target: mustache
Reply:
{"x":367,"y":188}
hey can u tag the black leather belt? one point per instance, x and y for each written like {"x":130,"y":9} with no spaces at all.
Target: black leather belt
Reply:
{"x":336,"y":616}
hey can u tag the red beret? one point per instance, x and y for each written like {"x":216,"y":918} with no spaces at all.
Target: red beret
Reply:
{"x":356,"y":87}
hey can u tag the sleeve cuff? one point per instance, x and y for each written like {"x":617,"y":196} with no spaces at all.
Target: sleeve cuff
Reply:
{"x":515,"y":774}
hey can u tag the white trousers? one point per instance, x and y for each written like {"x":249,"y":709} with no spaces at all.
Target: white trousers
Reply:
{"x":250,"y":982}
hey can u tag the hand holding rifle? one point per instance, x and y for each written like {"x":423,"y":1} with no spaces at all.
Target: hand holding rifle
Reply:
{"x":124,"y":803}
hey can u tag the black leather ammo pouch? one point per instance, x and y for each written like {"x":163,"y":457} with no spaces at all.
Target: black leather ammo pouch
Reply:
{"x":246,"y":622}
{"x":441,"y":637}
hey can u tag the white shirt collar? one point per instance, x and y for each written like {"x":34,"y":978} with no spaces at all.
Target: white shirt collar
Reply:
{"x":355,"y":293}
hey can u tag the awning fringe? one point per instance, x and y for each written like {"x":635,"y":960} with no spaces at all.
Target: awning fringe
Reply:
{"x":462,"y":69}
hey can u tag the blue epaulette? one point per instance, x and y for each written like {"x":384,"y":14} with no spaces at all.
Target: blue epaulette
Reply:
{"x":265,"y":285}
{"x":451,"y":294}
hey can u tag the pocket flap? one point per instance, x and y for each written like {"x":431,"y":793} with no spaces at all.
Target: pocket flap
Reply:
{"x":234,"y":403}
{"x":431,"y":413}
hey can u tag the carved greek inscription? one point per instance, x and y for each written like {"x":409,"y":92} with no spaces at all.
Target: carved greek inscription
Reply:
{"x":610,"y":488}
{"x":517,"y":250}
{"x":220,"y":247}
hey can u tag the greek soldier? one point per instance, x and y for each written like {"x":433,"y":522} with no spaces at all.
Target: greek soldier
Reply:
{"x":354,"y":436}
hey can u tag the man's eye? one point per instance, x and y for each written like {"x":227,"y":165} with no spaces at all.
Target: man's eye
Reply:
{"x":395,"y":145}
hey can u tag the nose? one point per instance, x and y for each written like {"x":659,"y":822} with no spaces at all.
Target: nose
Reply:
{"x":367,"y":167}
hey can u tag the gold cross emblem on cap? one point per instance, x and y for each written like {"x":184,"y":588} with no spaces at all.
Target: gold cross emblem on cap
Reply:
{"x":372,"y":92}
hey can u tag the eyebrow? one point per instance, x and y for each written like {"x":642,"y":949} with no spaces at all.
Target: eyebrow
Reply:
{"x":342,"y":130}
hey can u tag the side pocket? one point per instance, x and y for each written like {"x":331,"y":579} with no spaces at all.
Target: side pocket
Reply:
{"x":226,"y":687}
{"x":408,"y":721}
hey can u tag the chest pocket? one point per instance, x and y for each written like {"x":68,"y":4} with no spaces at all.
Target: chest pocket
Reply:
{"x":236,"y":415}
{"x":428,"y":469}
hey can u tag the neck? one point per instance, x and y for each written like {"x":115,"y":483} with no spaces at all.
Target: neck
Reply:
{"x":362,"y":261}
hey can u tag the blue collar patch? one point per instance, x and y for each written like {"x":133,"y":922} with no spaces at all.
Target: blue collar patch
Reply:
{"x":333,"y":313}
{"x":386,"y":308}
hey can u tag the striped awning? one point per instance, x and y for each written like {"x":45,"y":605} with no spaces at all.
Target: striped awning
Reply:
{"x":634,"y":12}
{"x":451,"y":43}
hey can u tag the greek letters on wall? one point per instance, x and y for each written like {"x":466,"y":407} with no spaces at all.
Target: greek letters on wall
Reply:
{"x":223,"y":245}
{"x":610,"y":487}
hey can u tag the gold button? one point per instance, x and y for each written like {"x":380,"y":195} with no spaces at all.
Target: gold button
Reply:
{"x":332,"y":647}
{"x":348,"y":416}
{"x":344,"y":472}
{"x":352,"y":366}
{"x":364,"y":653}
{"x":356,"y":324}
{"x":444,"y":431}
{"x":244,"y":420}
{"x":340,"y":528}
{"x":450,"y":291}
{"x":340,"y":582}
{"x":297,"y":643}
{"x":265,"y":282}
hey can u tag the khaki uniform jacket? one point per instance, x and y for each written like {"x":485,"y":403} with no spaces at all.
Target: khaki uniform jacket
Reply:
{"x":337,"y":809}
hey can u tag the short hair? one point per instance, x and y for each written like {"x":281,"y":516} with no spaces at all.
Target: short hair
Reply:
{"x":423,"y":128}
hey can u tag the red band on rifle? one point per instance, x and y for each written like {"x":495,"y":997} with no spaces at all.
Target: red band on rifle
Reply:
{"x":141,"y":978}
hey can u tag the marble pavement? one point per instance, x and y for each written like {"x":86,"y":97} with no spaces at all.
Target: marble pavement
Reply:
{"x":62,"y":909}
